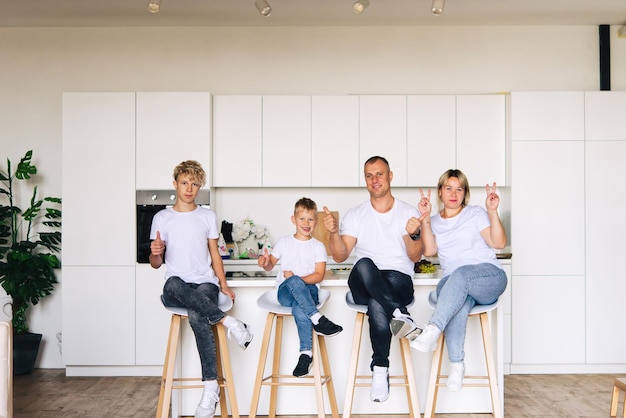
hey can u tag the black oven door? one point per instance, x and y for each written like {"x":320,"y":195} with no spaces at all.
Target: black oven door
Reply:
{"x":145,"y":213}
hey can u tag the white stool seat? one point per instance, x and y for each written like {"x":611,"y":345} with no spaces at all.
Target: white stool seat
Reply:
{"x":406,"y":380}
{"x":482,"y":312}
{"x":320,"y":368}
{"x":224,"y":372}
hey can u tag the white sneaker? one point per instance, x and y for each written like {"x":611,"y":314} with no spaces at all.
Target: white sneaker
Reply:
{"x":380,"y":384}
{"x":239,"y":331}
{"x":208,"y":404}
{"x":403,"y":326}
{"x":427,"y":340}
{"x":455,"y":378}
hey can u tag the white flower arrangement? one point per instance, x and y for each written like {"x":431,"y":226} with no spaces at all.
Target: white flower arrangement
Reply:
{"x":246,"y":228}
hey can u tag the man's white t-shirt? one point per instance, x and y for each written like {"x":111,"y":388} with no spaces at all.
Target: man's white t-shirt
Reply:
{"x":298,"y":256}
{"x":380,"y":236}
{"x":186,"y":236}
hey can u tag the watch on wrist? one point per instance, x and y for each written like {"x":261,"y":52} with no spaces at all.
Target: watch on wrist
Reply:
{"x":416,"y":236}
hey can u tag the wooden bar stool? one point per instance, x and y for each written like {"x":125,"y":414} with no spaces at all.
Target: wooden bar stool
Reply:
{"x":406,"y":380}
{"x":224,"y":373}
{"x":618,"y":385}
{"x":276,"y":313}
{"x":434,"y":382}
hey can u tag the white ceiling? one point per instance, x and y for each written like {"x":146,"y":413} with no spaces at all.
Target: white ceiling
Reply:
{"x":24,"y":13}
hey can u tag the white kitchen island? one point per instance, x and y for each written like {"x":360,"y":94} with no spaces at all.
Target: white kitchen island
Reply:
{"x":301,"y":400}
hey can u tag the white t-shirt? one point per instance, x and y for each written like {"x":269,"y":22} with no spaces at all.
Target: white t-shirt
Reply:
{"x":459,"y":242}
{"x":298,"y":256}
{"x":186,"y":236}
{"x":380,"y":236}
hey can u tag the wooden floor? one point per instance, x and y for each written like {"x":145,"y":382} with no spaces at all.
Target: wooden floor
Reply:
{"x":48,"y":393}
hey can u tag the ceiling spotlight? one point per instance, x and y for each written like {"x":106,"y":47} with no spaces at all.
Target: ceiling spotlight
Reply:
{"x":154,"y":6}
{"x":263,"y":7}
{"x":437,"y":8}
{"x":359,"y":6}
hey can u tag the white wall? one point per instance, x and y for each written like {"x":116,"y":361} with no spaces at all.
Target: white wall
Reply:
{"x":38,"y":64}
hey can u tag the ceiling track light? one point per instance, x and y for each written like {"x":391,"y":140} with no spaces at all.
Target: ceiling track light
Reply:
{"x":263,"y":7}
{"x":154,"y":6}
{"x":437,"y":7}
{"x":359,"y":6}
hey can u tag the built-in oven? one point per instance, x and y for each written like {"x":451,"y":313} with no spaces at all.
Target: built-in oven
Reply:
{"x":148,"y":203}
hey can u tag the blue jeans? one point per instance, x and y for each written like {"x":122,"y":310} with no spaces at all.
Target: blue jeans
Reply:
{"x":382,"y":291}
{"x":479,"y":284}
{"x":200,"y":300}
{"x":303,"y":299}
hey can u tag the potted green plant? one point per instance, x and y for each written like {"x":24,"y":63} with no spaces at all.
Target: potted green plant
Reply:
{"x":28,"y":239}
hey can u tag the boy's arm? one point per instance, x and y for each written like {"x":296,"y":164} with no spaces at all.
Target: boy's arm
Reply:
{"x":318,"y":275}
{"x":218,"y":268}
{"x":157,"y":250}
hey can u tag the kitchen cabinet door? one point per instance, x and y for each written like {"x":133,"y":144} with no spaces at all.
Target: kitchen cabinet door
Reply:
{"x":431,"y":138}
{"x":98,"y":179}
{"x":547,"y":116}
{"x":605,"y":231}
{"x":604,"y":116}
{"x":382,"y":130}
{"x":548,"y":208}
{"x":98,"y":316}
{"x":237,"y":141}
{"x":286,"y":141}
{"x":171,"y":127}
{"x":548,"y":321}
{"x":481,"y":138}
{"x":152,"y":321}
{"x":335,"y":141}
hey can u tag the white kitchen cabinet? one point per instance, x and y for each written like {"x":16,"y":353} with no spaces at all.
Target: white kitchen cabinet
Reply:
{"x":237,"y":141}
{"x":431,"y":138}
{"x":171,"y":127}
{"x":548,"y":320}
{"x":286,"y":141}
{"x":605,"y":232}
{"x":554,"y":116}
{"x":335,"y":141}
{"x":548,"y":208}
{"x":98,"y":315}
{"x":382,"y":130}
{"x":481,"y":138}
{"x":152,"y":319}
{"x":604,"y":116}
{"x":98,"y":150}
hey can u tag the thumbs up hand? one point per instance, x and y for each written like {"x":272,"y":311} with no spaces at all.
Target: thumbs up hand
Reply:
{"x":330,"y":221}
{"x":264,"y":260}
{"x":157,"y":246}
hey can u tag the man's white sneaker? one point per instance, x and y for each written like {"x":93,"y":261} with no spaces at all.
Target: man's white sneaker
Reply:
{"x":208,"y":404}
{"x":455,"y":377}
{"x":239,"y":331}
{"x":427,"y":340}
{"x":402,"y":326}
{"x":380,"y":384}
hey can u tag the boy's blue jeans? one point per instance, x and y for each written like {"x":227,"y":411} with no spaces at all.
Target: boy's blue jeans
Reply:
{"x":201,"y":302}
{"x":457,"y":294}
{"x":303,"y":299}
{"x":382,"y":291}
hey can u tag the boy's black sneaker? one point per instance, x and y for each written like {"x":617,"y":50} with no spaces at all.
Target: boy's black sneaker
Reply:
{"x":326,"y":327}
{"x":304,"y":366}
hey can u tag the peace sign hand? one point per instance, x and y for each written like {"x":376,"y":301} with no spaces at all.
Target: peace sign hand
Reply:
{"x":493,"y":200}
{"x":424,"y":205}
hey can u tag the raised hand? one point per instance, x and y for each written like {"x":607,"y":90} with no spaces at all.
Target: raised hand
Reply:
{"x":493,"y":200}
{"x":330,"y":221}
{"x":157,"y":246}
{"x":414,"y":224}
{"x":264,"y":259}
{"x":424,"y":205}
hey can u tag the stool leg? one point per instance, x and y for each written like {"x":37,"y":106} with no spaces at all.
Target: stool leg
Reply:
{"x":225,"y":373}
{"x":407,"y":365}
{"x":278,"y":338}
{"x":317,"y":377}
{"x":491,"y":366}
{"x":433,"y":381}
{"x":167,"y":379}
{"x":256,"y":392}
{"x":354,"y":361}
{"x":330,"y":386}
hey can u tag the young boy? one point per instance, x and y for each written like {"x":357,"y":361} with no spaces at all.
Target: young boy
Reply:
{"x":195,"y":273}
{"x":303,"y":265}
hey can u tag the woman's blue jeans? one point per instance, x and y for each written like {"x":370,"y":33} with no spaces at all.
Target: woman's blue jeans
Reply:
{"x":200,"y":300}
{"x":479,"y":284}
{"x":303,"y":299}
{"x":382,"y":291}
